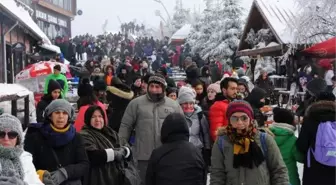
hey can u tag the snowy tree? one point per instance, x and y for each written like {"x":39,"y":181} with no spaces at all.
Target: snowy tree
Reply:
{"x":315,"y":21}
{"x":224,"y":39}
{"x":202,"y":30}
{"x":251,"y":38}
{"x":181,"y":16}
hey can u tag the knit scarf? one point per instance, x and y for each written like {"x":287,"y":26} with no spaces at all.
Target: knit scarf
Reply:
{"x":245,"y":149}
{"x":10,"y":162}
{"x":58,"y":137}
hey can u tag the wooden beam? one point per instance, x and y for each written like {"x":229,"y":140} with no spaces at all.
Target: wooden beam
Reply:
{"x":266,"y":51}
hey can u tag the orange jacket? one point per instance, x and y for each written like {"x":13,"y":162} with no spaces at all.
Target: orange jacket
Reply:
{"x":217,"y":116}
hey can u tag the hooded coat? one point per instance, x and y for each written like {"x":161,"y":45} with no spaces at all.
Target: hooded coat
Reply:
{"x":317,"y":113}
{"x":254,"y":99}
{"x":118,"y":95}
{"x":95,"y":142}
{"x":284,"y":135}
{"x":177,"y":161}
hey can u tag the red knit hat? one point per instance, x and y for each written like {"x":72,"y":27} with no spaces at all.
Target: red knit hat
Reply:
{"x":239,"y":106}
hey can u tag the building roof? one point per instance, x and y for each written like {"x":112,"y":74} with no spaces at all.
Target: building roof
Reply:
{"x":279,"y":15}
{"x":182,"y":33}
{"x":24,"y":18}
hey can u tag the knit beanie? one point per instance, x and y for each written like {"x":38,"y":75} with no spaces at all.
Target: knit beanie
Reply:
{"x":59,"y":105}
{"x":239,"y":106}
{"x":159,"y":79}
{"x":53,"y":85}
{"x":12,"y":123}
{"x":185,"y":95}
{"x":215,"y":87}
{"x":171,"y":90}
{"x":281,"y":115}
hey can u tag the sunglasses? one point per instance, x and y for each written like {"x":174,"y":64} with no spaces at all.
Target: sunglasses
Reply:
{"x":11,"y":134}
{"x":235,"y":119}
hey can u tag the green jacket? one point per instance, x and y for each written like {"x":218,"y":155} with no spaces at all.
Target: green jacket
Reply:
{"x":286,"y":139}
{"x":58,"y":78}
{"x":273,"y":171}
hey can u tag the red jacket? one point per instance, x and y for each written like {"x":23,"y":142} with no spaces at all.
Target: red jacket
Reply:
{"x":217,"y":115}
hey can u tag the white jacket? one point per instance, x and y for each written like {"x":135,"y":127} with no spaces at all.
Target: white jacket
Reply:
{"x":30,"y":175}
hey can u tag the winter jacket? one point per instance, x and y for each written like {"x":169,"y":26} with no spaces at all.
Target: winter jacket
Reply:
{"x":272,"y":171}
{"x":254,"y":99}
{"x":317,"y":113}
{"x":61,"y":79}
{"x":30,"y":175}
{"x":215,"y":72}
{"x":71,"y":156}
{"x":205,"y":105}
{"x":266,"y":84}
{"x":96,"y":142}
{"x":80,"y":116}
{"x":118,"y":97}
{"x":146,"y":117}
{"x":285,"y":139}
{"x":177,"y":161}
{"x":170,"y":82}
{"x":217,"y":115}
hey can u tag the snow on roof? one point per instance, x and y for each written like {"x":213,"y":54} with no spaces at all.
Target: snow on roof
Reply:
{"x":280,"y":16}
{"x":51,"y":47}
{"x":183,"y":32}
{"x":23,"y":16}
{"x":9,"y":91}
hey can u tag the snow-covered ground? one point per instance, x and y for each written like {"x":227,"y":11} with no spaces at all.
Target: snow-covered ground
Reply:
{"x":300,"y":167}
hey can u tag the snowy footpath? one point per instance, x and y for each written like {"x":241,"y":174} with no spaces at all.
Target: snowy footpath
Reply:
{"x":299,"y":165}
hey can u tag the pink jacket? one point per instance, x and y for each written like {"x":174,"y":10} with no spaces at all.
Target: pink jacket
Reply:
{"x":79,"y":123}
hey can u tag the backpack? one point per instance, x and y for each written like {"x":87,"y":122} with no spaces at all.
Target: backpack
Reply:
{"x":325,"y":145}
{"x":262,"y":141}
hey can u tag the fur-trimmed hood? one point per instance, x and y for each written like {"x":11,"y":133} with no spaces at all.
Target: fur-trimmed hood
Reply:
{"x":321,"y":111}
{"x":128,"y":95}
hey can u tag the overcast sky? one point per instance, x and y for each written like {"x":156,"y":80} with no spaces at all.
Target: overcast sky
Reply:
{"x":142,"y":10}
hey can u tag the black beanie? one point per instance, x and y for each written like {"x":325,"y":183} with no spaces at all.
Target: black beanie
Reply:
{"x":99,"y":85}
{"x":170,"y":90}
{"x":85,"y":90}
{"x":53,"y":85}
{"x":281,"y":115}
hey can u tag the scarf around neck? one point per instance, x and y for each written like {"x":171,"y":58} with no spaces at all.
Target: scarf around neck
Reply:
{"x":58,"y":137}
{"x":10,"y":162}
{"x":246,"y":152}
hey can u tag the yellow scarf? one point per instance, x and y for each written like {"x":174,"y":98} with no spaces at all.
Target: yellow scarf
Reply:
{"x":60,"y":130}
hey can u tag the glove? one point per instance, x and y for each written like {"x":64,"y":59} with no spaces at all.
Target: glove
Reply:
{"x":59,"y":176}
{"x":119,"y":154}
{"x":4,"y":180}
{"x":46,"y":178}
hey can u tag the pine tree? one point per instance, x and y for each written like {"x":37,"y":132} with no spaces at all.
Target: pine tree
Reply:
{"x":224,"y":40}
{"x":181,"y":16}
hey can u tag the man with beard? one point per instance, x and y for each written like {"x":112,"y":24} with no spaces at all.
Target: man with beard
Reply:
{"x":145,"y":114}
{"x":217,"y":112}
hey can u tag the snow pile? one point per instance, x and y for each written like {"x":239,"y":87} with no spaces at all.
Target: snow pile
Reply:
{"x":12,"y":90}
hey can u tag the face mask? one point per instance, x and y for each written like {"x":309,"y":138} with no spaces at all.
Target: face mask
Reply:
{"x":156,"y":97}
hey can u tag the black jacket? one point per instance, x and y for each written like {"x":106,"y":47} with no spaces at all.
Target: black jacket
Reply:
{"x":317,"y":173}
{"x":177,"y":161}
{"x":254,"y":99}
{"x":72,"y":156}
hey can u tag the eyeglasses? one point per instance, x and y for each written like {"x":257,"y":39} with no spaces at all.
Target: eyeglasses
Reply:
{"x":235,"y":119}
{"x":11,"y":134}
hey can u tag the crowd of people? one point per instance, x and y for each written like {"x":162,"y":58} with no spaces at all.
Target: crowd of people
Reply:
{"x":135,"y":125}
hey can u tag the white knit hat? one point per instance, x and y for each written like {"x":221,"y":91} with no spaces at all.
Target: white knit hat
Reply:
{"x":186,"y":94}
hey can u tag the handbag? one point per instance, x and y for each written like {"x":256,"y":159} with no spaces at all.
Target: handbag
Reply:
{"x":130,"y":174}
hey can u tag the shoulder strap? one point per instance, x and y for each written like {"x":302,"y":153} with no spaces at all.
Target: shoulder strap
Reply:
{"x":200,"y":116}
{"x":56,"y":158}
{"x":263,"y":143}
{"x":220,"y":143}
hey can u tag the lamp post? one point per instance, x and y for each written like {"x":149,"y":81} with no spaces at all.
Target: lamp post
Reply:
{"x":164,"y":7}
